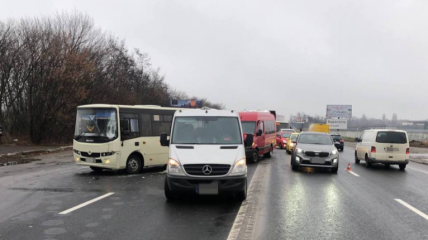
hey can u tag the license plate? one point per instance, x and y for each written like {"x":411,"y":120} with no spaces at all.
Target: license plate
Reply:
{"x":318,"y":160}
{"x":389,"y":149}
{"x":90,"y":160}
{"x":208,"y":188}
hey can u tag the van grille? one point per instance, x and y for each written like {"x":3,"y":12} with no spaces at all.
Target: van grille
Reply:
{"x":197,"y":169}
{"x":314,"y":154}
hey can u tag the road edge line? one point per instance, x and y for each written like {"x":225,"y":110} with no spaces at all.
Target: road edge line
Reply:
{"x":85,"y":203}
{"x":245,"y":221}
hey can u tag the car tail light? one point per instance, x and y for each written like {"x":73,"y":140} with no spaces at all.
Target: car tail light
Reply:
{"x":407,"y":151}
{"x":373,"y":149}
{"x":341,"y":140}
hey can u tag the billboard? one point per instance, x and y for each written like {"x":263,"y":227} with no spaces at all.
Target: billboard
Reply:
{"x":339,"y":111}
{"x":186,"y":103}
{"x":338,"y":123}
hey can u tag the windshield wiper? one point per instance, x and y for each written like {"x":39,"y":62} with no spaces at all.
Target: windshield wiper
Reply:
{"x":78,"y":137}
{"x":107,"y":139}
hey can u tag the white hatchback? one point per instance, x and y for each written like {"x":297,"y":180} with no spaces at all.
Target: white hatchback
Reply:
{"x":383,"y":146}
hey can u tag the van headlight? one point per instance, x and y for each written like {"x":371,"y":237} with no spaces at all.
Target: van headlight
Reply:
{"x":174,"y":167}
{"x":240,"y":167}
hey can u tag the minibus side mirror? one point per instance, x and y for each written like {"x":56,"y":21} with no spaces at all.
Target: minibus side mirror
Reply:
{"x":249,"y":140}
{"x":164,"y":140}
{"x":259,"y":133}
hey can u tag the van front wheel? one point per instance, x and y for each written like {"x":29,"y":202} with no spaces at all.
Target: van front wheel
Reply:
{"x":168,"y":193}
{"x":242,"y":195}
{"x":268,"y":154}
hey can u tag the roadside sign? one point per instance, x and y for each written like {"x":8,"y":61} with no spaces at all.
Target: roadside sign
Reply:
{"x":339,"y":111}
{"x":338,"y":123}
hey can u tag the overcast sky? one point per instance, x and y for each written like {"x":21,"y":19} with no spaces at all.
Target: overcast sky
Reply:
{"x":285,"y":55}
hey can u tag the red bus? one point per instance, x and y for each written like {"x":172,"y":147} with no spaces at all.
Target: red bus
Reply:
{"x":262,"y":125}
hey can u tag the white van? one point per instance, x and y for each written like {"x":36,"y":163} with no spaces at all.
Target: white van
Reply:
{"x":206,"y":154}
{"x":383,"y":146}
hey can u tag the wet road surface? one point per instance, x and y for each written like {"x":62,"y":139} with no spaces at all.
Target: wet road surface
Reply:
{"x":308,"y":204}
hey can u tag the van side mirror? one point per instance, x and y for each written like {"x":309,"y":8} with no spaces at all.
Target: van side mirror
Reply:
{"x":249,"y":140}
{"x":164,"y":140}
{"x":259,"y":133}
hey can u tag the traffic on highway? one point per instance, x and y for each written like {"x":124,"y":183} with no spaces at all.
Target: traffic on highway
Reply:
{"x":199,"y":180}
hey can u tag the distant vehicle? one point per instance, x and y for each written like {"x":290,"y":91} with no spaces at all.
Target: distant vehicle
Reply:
{"x":206,"y":154}
{"x":338,"y":141}
{"x":121,"y":137}
{"x":262,"y":125}
{"x":383,"y":146}
{"x":281,"y":125}
{"x":287,"y":130}
{"x":1,"y":131}
{"x":315,"y":150}
{"x":318,"y":127}
{"x":289,"y":147}
{"x":282,"y":138}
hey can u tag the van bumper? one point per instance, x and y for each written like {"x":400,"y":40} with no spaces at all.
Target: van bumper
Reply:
{"x":191,"y":184}
{"x":374,"y":160}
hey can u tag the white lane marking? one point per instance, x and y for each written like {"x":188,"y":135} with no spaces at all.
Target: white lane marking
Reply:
{"x":412,"y":208}
{"x":351,"y":172}
{"x":415,"y":169}
{"x":86,"y":203}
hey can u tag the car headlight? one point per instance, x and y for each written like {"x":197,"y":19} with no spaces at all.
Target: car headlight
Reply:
{"x":334,"y":152}
{"x":299,"y":150}
{"x":240,"y":167}
{"x":291,"y":144}
{"x":174,"y":167}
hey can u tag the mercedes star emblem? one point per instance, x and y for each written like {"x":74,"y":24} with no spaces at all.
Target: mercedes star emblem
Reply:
{"x":207,"y":169}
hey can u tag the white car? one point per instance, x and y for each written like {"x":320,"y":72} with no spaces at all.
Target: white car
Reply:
{"x":206,"y":154}
{"x":383,"y":146}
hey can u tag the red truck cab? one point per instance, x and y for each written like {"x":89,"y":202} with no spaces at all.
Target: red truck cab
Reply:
{"x":262,"y":125}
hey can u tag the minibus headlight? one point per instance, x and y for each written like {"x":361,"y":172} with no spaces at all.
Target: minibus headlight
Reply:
{"x":174,"y":167}
{"x":240,"y":167}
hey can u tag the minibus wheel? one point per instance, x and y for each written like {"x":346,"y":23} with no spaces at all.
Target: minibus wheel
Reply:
{"x":133,"y":165}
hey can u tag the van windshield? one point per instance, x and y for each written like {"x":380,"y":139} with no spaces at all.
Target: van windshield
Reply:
{"x":391,"y":137}
{"x":206,"y":130}
{"x":248,"y":127}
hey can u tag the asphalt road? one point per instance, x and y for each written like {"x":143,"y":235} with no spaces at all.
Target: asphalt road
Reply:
{"x":308,"y":204}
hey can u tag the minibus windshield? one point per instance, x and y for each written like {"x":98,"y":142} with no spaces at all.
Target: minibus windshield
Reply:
{"x":206,"y":130}
{"x":95,"y":125}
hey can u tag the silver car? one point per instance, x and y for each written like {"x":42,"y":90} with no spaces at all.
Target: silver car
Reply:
{"x":316,"y":150}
